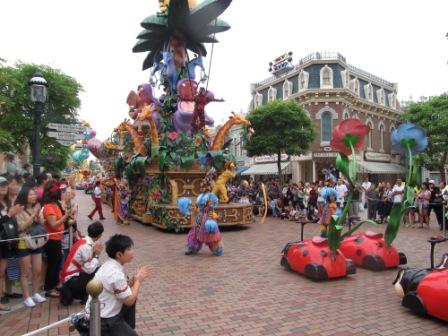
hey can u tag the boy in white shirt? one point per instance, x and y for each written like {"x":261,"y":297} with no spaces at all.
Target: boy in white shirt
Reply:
{"x":118,"y":298}
{"x":97,"y":199}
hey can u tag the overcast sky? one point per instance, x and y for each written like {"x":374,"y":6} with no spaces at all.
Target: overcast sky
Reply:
{"x":400,"y":41}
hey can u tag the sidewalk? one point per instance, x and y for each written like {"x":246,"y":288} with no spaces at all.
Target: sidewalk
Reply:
{"x":246,"y":291}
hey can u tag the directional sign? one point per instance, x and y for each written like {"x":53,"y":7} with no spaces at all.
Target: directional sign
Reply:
{"x":69,"y":128}
{"x":65,"y":136}
{"x":65,"y":142}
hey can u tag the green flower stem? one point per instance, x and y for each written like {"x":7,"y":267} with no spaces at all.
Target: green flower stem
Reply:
{"x":354,"y":172}
{"x":411,"y":163}
{"x":350,"y":195}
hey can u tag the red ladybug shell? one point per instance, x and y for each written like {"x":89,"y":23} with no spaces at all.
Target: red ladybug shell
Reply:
{"x":312,"y":259}
{"x":369,"y":251}
{"x":433,"y":290}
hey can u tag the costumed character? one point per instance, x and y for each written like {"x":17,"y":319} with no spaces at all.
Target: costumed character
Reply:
{"x":329,"y":209}
{"x":201,"y":99}
{"x":220,"y":188}
{"x":204,"y":228}
{"x":182,"y":118}
{"x":424,"y":291}
{"x":122,"y":202}
{"x":242,"y":192}
{"x":137,"y":101}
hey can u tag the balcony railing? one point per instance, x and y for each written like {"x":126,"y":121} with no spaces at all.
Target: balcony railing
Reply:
{"x":329,"y":56}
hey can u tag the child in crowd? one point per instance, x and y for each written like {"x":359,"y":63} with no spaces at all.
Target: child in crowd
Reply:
{"x":119,"y":296}
{"x":328,"y":210}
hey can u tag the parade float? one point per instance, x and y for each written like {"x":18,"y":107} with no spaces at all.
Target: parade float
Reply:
{"x":425,"y":290}
{"x":373,"y":250}
{"x":330,"y":257}
{"x":165,"y":149}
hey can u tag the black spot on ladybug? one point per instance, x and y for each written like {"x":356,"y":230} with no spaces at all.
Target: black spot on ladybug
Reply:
{"x":305,"y":253}
{"x":380,"y":245}
{"x":358,"y":252}
{"x":323,"y":253}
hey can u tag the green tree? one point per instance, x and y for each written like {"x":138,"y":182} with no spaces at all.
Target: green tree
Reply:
{"x":432,"y":115}
{"x":17,"y":110}
{"x":280,"y":128}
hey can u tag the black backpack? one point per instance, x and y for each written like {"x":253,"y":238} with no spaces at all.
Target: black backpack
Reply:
{"x":9,"y":230}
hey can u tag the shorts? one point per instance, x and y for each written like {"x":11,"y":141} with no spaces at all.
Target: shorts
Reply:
{"x":26,"y":252}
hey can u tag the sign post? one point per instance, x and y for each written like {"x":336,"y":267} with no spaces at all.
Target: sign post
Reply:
{"x":66,"y":134}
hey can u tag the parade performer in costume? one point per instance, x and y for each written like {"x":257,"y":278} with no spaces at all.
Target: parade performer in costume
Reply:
{"x":204,"y":228}
{"x":123,"y":200}
{"x":329,"y":210}
{"x":201,"y":99}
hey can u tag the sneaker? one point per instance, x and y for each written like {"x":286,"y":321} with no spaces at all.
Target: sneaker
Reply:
{"x":90,"y":217}
{"x":37,"y":298}
{"x":29,"y":302}
{"x":102,"y":218}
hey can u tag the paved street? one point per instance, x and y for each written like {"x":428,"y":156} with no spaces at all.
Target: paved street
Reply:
{"x":247,"y":292}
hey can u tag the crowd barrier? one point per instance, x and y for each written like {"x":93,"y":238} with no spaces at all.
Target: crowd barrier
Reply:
{"x":94,"y":289}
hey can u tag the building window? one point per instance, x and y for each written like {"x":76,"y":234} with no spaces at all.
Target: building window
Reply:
{"x":368,"y":91}
{"x":369,"y":136}
{"x":287,"y":89}
{"x":380,"y":96}
{"x":345,"y":79}
{"x":326,"y":77}
{"x":381,"y":138}
{"x":345,"y":115}
{"x":272,"y":94}
{"x":392,"y":100}
{"x":354,"y":86}
{"x":241,"y":146}
{"x":326,"y":127}
{"x":303,"y":80}
{"x":258,"y":99}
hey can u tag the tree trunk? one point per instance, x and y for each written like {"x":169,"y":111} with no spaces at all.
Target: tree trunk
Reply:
{"x":279,"y":167}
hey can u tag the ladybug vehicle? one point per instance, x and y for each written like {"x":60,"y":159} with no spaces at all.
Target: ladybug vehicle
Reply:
{"x":368,"y":250}
{"x":424,"y":291}
{"x":312,"y":258}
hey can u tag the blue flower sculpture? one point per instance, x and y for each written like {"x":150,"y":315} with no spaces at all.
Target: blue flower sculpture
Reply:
{"x":409,"y":135}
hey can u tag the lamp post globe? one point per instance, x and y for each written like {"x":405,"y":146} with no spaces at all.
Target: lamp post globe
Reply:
{"x":38,"y":95}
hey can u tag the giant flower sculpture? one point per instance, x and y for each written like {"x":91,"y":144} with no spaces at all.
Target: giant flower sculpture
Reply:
{"x":190,"y":28}
{"x":348,"y":137}
{"x":408,"y":139}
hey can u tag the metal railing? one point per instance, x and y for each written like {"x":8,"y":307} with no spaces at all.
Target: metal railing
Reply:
{"x":94,"y":289}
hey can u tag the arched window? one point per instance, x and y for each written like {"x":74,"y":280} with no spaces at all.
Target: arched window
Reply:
{"x":381,"y":138}
{"x":303,"y":80}
{"x":392,"y":100}
{"x":368,"y":91}
{"x":287,"y":89}
{"x":326,"y":126}
{"x":272,"y":94}
{"x":326,"y":78}
{"x":345,"y":115}
{"x":354,"y":86}
{"x":258,"y":99}
{"x":380,"y":96}
{"x":369,"y":142}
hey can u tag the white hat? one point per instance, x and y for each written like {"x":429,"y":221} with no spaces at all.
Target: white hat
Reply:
{"x":432,"y":182}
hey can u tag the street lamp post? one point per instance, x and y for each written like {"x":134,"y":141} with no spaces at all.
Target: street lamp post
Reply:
{"x":38,"y":94}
